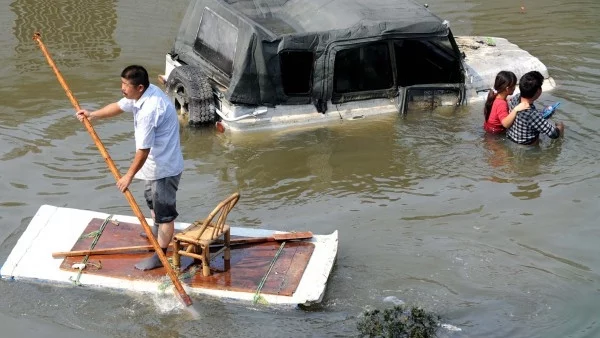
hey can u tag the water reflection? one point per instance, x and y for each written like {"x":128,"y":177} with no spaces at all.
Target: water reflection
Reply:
{"x":378,"y":161}
{"x":82,"y":30}
{"x":520,"y":165}
{"x":363,"y":159}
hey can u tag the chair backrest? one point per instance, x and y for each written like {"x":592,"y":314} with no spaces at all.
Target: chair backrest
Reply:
{"x":220,"y":211}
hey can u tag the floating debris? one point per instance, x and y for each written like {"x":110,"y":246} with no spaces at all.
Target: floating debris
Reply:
{"x":399,"y":322}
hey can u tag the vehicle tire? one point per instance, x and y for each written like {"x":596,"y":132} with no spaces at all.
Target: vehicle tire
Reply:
{"x":192,"y":94}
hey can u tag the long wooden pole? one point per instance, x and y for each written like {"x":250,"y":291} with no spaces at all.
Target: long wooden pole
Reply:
{"x":137,"y":248}
{"x":111,"y":165}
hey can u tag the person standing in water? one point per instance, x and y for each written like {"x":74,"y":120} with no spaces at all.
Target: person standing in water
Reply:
{"x":528,"y":126}
{"x":496,"y":112}
{"x":158,"y":159}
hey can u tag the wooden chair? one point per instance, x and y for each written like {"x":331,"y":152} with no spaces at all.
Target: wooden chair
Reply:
{"x":196,"y":239}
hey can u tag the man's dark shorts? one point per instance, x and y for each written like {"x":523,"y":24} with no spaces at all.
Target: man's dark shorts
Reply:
{"x":160,"y":197}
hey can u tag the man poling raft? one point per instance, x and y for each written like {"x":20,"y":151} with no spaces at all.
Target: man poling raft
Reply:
{"x":158,"y":159}
{"x":134,"y":92}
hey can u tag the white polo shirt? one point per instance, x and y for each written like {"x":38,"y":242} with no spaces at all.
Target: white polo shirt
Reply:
{"x":156,"y":127}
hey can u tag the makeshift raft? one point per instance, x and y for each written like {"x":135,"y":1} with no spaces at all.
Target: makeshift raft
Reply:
{"x":291,"y":272}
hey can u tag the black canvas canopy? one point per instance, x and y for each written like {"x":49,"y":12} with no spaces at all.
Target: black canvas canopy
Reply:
{"x":265,"y":52}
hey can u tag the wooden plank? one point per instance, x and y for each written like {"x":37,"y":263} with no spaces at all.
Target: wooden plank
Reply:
{"x":294,"y":269}
{"x":249,"y":263}
{"x":248,"y":266}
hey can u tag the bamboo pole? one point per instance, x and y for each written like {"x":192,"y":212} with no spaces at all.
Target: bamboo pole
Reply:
{"x":111,"y":165}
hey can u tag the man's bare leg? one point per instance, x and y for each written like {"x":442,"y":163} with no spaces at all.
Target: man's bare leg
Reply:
{"x":165,"y":235}
{"x":153,"y":227}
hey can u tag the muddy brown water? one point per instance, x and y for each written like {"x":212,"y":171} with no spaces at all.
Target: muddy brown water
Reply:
{"x":499,"y":240}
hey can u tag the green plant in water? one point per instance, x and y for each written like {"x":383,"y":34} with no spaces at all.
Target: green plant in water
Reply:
{"x":398,"y":322}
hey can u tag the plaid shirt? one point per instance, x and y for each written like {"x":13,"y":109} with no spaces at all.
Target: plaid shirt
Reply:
{"x":529,"y":124}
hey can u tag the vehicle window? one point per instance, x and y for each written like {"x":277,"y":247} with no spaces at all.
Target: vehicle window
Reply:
{"x":426,"y":61}
{"x":363,"y":68}
{"x":216,"y":41}
{"x":296,"y":71}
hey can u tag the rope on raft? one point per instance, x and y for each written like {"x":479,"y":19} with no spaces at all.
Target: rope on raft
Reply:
{"x":257,"y":297}
{"x":166,"y":282}
{"x":83,"y":263}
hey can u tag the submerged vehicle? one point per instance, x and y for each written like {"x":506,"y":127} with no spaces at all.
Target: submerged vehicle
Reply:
{"x":270,"y":64}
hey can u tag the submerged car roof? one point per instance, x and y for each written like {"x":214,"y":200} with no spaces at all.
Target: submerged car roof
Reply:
{"x":237,"y":42}
{"x":280,"y":17}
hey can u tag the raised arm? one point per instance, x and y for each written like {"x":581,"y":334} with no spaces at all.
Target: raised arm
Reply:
{"x":109,"y":110}
{"x":510,"y":118}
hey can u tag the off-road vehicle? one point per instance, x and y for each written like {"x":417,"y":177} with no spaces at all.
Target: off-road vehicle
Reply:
{"x":262,"y":64}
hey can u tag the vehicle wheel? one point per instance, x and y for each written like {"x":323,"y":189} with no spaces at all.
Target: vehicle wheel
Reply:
{"x":192,"y":94}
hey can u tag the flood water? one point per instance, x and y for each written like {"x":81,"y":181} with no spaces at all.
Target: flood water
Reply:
{"x":501,"y":241}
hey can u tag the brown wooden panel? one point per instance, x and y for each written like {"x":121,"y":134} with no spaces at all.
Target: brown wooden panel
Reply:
{"x":249,"y":263}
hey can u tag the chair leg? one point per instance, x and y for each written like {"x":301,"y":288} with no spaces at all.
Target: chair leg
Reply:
{"x":176,"y":257}
{"x":227,"y":255}
{"x":227,"y":244}
{"x":205,"y":261}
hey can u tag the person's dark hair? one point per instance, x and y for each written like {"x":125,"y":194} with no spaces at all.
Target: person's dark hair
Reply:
{"x":530,"y":83}
{"x":504,"y":79}
{"x":137,"y":75}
